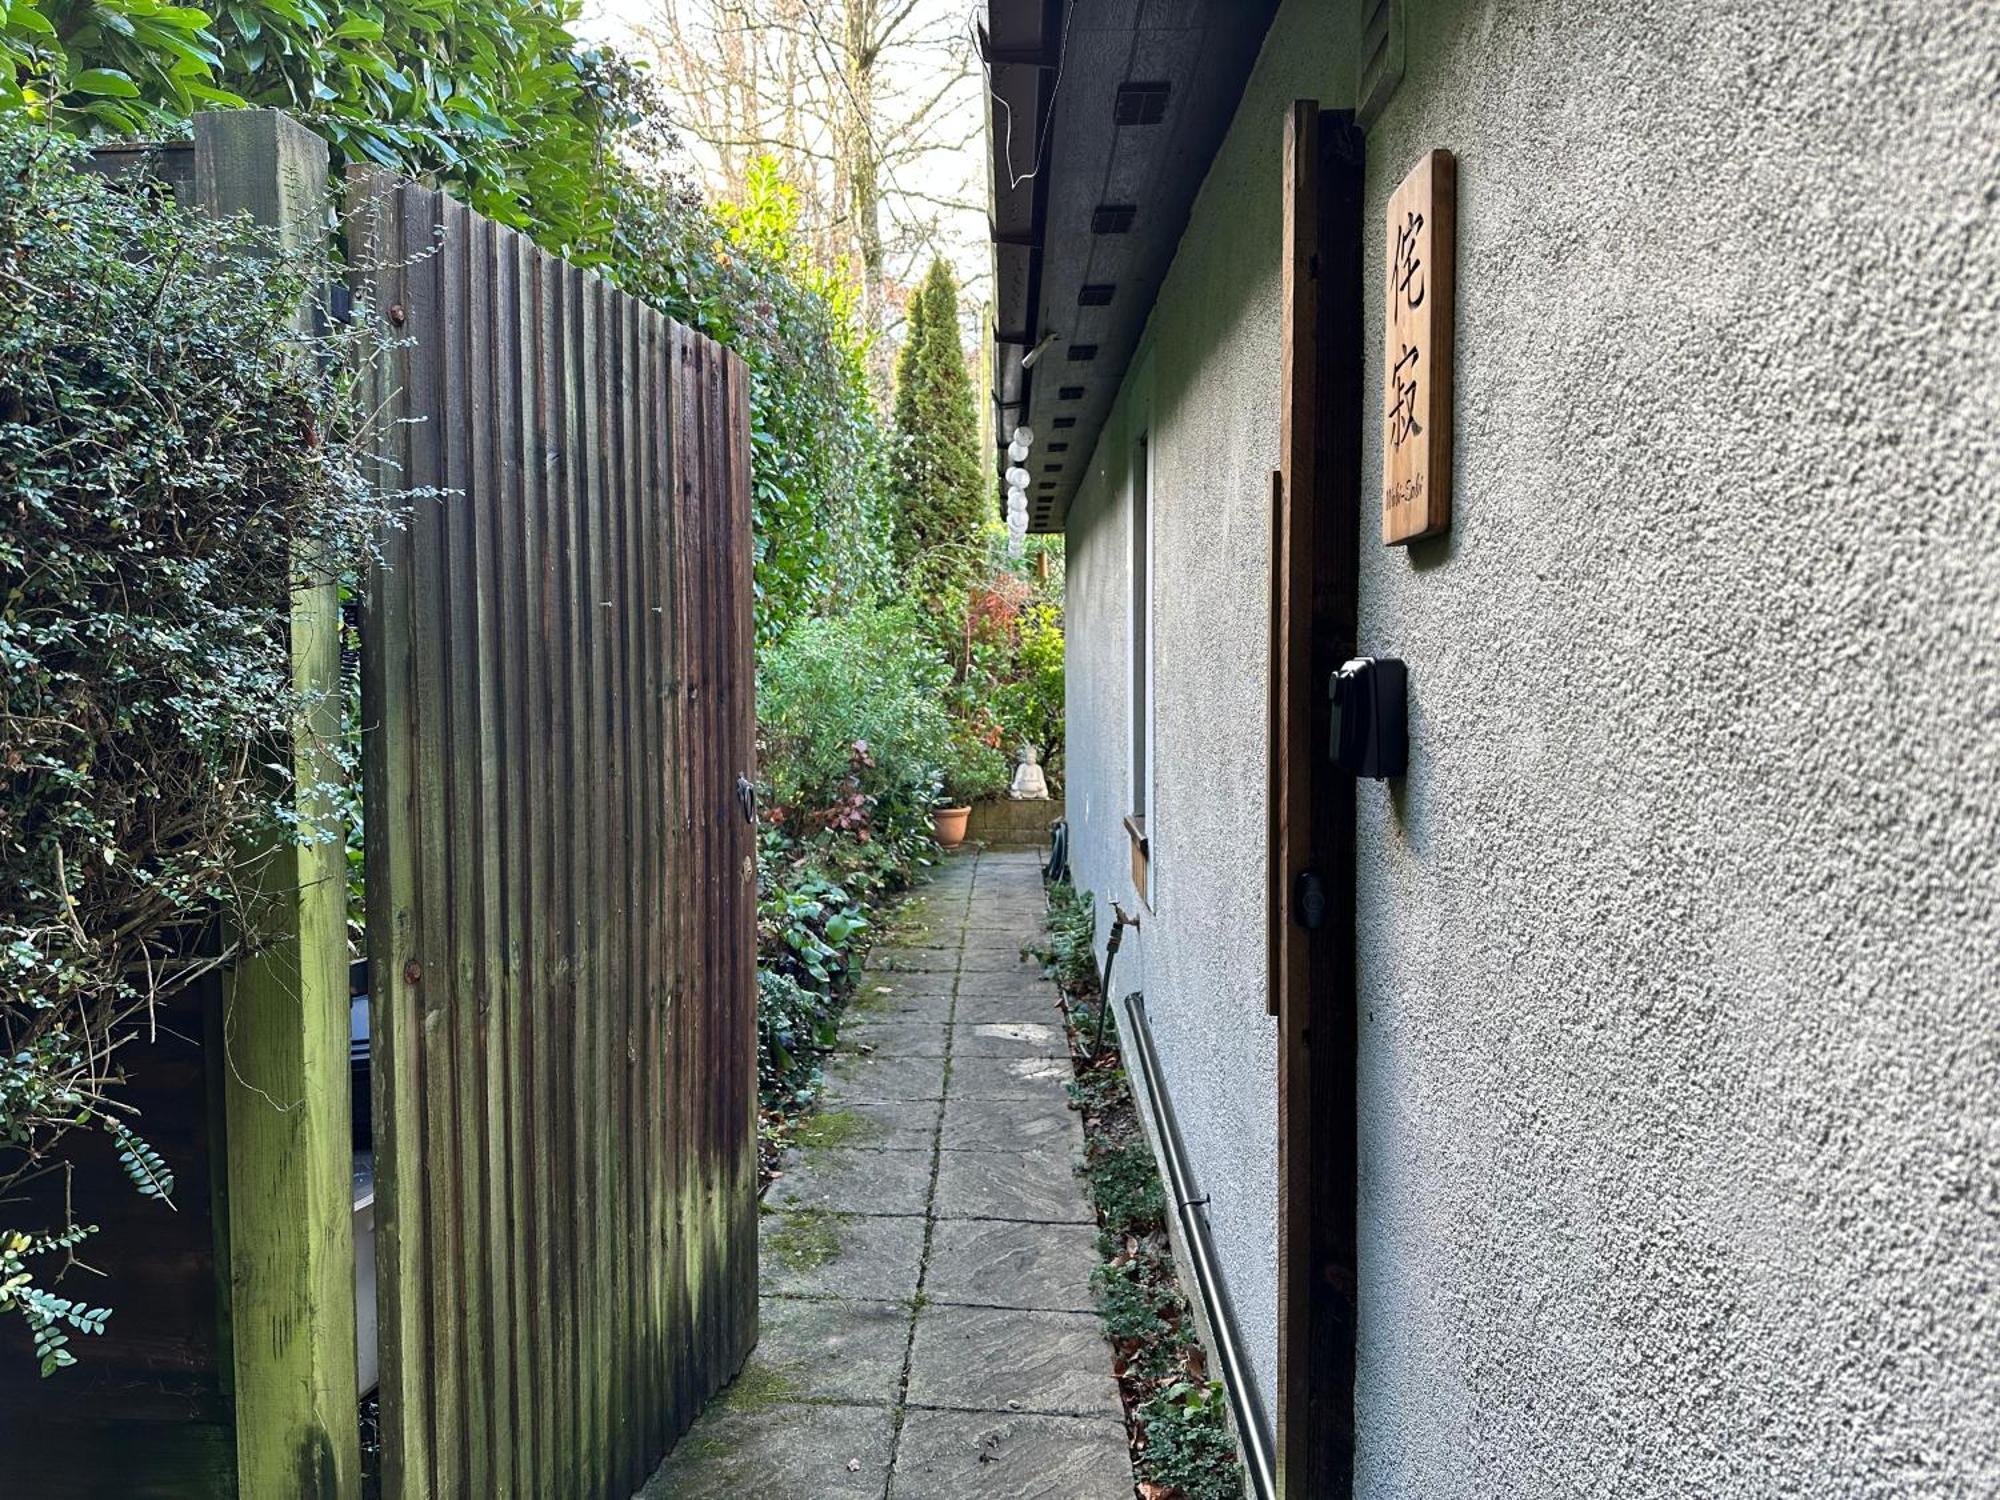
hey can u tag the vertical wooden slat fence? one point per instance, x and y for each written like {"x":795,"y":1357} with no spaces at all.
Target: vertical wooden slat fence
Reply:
{"x":557,"y":687}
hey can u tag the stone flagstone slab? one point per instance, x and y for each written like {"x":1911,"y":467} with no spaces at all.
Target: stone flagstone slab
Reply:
{"x":1002,"y":1456}
{"x":1044,"y":1078}
{"x":999,"y":961}
{"x":850,"y":1352}
{"x":1011,"y":1039}
{"x":1012,"y":1125}
{"x":1036,"y":1003}
{"x":893,"y":1038}
{"x":994,"y":1263}
{"x":777,"y":1450}
{"x":901,"y":1002}
{"x":853,"y":1077}
{"x":911,"y":960}
{"x":860,"y":1256}
{"x":1034,"y":1186}
{"x":856,"y":1182}
{"x":875,"y":1124}
{"x":988,"y":983}
{"x":1001,"y":1359}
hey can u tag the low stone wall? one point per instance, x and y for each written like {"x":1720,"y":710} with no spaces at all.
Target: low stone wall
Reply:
{"x":1004,"y":821}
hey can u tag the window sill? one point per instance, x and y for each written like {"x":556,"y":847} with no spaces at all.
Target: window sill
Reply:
{"x":1142,"y":858}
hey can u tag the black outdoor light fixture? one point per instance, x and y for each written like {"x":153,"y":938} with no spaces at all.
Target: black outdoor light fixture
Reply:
{"x":1371,"y":734}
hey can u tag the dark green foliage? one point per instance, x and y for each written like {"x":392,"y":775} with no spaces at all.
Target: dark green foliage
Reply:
{"x":1098,"y":1088}
{"x":1188,"y":1446}
{"x":500,"y":101}
{"x":812,"y":924}
{"x":739,"y":274}
{"x":1068,"y":952}
{"x":1003,"y":634}
{"x":1124,"y":1184}
{"x":973,"y":770}
{"x":795,"y":1025}
{"x":1132,"y":1306}
{"x":1028,"y":699}
{"x":940,"y":484}
{"x":497,"y":96}
{"x":172,"y":455}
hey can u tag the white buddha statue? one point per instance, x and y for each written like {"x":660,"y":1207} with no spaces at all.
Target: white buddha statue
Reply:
{"x":1030,"y":785}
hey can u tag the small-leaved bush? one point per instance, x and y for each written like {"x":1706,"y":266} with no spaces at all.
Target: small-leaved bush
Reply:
{"x":854,"y":733}
{"x":1003,"y":635}
{"x":1029,"y":699}
{"x":174,"y":455}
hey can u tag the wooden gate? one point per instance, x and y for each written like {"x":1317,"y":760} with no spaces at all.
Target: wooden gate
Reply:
{"x":557,"y":689}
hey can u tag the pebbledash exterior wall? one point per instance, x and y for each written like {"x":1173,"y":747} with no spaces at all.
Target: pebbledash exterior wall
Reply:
{"x":1681,"y":941}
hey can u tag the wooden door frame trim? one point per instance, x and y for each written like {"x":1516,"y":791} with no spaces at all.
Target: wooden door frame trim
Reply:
{"x":1315,"y":618}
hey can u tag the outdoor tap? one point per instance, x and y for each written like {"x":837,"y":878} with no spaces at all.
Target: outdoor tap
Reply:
{"x":1120,"y":920}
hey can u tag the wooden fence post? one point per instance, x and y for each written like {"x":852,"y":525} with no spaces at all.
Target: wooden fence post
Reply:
{"x":286,"y":1099}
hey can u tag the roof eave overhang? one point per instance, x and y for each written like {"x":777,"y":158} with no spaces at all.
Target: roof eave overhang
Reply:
{"x":1063,"y":145}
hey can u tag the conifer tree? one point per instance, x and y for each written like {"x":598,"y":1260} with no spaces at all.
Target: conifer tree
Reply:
{"x":940,"y":482}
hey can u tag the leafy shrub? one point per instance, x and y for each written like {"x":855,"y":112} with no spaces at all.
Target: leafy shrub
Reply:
{"x":854,"y":735}
{"x":1029,"y":700}
{"x":812,"y":926}
{"x":1069,"y":951}
{"x":1003,"y":634}
{"x":795,"y":1025}
{"x":973,"y":771}
{"x":741,"y":273}
{"x":568,"y":142}
{"x":810,"y":930}
{"x":172,"y":452}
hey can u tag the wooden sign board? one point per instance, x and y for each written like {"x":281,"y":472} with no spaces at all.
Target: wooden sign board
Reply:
{"x":1416,"y":354}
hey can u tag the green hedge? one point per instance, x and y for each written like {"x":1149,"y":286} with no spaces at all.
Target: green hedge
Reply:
{"x":171,"y":453}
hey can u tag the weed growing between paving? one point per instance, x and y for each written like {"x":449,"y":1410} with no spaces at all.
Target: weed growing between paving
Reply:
{"x":1175,"y":1414}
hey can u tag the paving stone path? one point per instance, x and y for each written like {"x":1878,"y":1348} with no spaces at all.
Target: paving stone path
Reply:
{"x":927,"y":1325}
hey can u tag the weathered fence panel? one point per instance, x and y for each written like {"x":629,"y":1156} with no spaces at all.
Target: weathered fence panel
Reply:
{"x":557,"y":686}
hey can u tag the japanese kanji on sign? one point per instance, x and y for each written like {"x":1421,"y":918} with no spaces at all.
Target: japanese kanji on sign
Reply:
{"x":1416,"y":362}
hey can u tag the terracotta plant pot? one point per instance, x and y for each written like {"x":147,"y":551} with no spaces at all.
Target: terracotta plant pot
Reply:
{"x":950,"y":825}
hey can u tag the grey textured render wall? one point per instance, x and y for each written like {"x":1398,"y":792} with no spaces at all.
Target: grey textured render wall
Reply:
{"x":1681,"y":957}
{"x":1682,"y":1044}
{"x":1203,"y":388}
